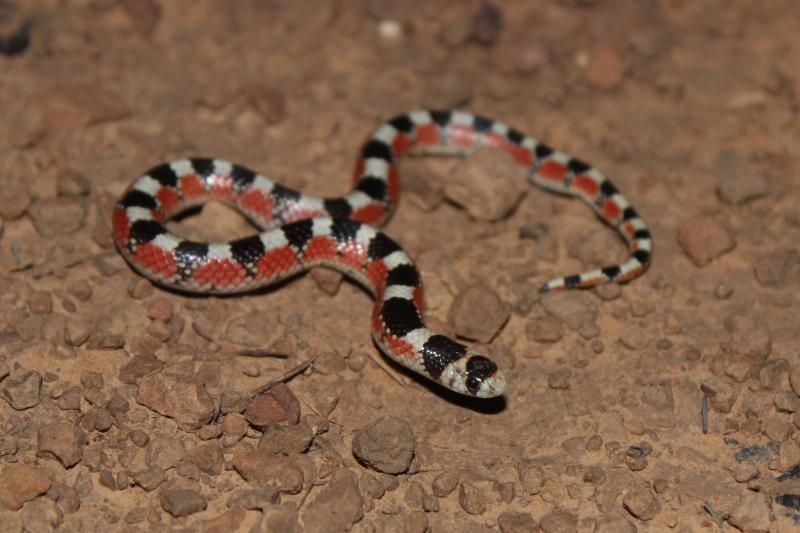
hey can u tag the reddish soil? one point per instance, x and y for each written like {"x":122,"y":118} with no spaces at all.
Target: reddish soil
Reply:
{"x":127,"y":407}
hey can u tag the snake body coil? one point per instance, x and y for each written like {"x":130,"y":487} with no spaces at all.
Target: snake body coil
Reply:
{"x":303,"y":231}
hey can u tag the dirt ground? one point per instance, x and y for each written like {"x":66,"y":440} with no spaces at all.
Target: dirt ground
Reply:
{"x":670,"y":403}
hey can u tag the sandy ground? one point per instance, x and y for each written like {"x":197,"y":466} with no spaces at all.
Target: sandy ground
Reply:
{"x":126,"y":407}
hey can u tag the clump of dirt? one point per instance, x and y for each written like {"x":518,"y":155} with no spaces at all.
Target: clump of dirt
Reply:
{"x":669,"y":403}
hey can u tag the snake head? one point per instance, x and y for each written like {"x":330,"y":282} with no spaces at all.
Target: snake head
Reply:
{"x":475,"y":375}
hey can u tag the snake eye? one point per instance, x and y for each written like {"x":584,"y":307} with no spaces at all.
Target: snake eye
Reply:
{"x":479,"y":369}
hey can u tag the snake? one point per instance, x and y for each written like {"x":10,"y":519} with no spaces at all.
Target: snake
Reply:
{"x":301,"y":232}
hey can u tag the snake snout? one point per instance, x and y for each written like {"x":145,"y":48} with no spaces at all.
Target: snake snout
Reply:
{"x":483,"y":378}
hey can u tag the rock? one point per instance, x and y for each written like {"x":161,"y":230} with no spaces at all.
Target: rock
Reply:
{"x":107,"y":341}
{"x":703,"y":239}
{"x":722,"y":395}
{"x":777,"y":427}
{"x":773,"y":375}
{"x":267,"y":101}
{"x":255,"y":499}
{"x":263,"y":469}
{"x":107,"y":480}
{"x":160,"y":310}
{"x":608,"y":291}
{"x":634,"y":337}
{"x":150,"y":479}
{"x":337,"y":507}
{"x":786,"y":402}
{"x":750,"y":513}
{"x":182,"y":502}
{"x":60,"y":493}
{"x":277,"y":405}
{"x":772,"y":269}
{"x":386,"y":445}
{"x":421,"y":186}
{"x":737,"y":182}
{"x":488,"y":184}
{"x":176,"y":397}
{"x":571,"y":308}
{"x":58,"y":215}
{"x":42,"y":515}
{"x":118,"y":405}
{"x":445,"y":483}
{"x":22,"y":483}
{"x":327,"y":280}
{"x":139,"y":438}
{"x":599,"y":247}
{"x":23,"y":393}
{"x":207,"y":457}
{"x":745,"y":471}
{"x":642,"y":504}
{"x":286,"y":440}
{"x":545,"y":330}
{"x":234,"y":428}
{"x":92,"y":380}
{"x":605,"y":69}
{"x":558,"y":522}
{"x":417,"y":498}
{"x":138,"y":367}
{"x":140,"y":288}
{"x":478,"y":313}
{"x":164,"y":452}
{"x":13,"y":204}
{"x":516,"y":522}
{"x":471,"y":499}
{"x":532,"y":478}
{"x":63,"y":441}
{"x":77,"y":332}
{"x":753,"y":345}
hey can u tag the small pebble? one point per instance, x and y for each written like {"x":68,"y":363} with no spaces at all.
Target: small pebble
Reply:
{"x":386,"y":445}
{"x":515,"y":522}
{"x":140,"y":288}
{"x":703,"y":239}
{"x":445,"y":483}
{"x":471,"y":499}
{"x":745,"y":471}
{"x":160,"y":309}
{"x":478,"y":313}
{"x":182,"y":502}
{"x":750,"y":513}
{"x":278,"y":404}
{"x":558,"y":522}
{"x":80,"y":289}
{"x":642,"y":504}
